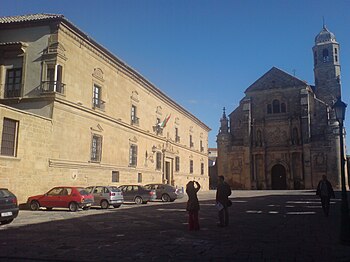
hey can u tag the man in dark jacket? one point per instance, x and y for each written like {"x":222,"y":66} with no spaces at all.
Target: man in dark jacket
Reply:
{"x":222,"y":193}
{"x":325,"y":192}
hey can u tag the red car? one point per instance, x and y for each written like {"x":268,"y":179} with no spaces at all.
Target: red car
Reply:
{"x":67,"y":197}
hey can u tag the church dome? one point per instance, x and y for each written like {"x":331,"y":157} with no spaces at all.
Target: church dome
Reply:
{"x":325,"y":36}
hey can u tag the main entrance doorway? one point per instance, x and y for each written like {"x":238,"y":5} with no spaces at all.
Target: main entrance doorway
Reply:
{"x":168,"y":172}
{"x":278,"y":177}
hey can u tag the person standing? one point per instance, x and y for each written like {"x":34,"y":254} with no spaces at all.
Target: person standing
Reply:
{"x":222,"y":193}
{"x":325,"y":192}
{"x":192,"y":205}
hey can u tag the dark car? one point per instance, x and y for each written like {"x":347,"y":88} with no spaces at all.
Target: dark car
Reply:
{"x":8,"y":206}
{"x":105,"y":196}
{"x":165,"y":192}
{"x":137,"y":194}
{"x":66,"y":197}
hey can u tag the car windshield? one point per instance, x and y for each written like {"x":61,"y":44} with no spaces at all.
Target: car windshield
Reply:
{"x":83,"y":191}
{"x":114,"y":189}
{"x":5,"y":193}
{"x":89,"y":189}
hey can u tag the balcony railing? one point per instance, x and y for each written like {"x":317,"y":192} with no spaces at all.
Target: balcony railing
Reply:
{"x":158,"y":130}
{"x":52,"y":86}
{"x":135,"y":121}
{"x":12,"y":90}
{"x":98,"y":103}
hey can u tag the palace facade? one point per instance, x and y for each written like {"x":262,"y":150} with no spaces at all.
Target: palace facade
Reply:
{"x":72,"y":113}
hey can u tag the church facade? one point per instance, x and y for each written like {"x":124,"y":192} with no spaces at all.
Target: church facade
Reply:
{"x":283,"y":134}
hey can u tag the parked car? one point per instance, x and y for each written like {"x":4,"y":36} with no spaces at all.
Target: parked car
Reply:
{"x":165,"y":192}
{"x":105,"y":196}
{"x":137,"y":194}
{"x":64,"y":196}
{"x":8,"y":206}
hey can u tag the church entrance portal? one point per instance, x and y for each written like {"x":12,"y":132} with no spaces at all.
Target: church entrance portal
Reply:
{"x":278,"y":177}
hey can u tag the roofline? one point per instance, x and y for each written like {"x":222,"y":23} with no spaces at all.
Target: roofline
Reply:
{"x":62,"y":19}
{"x":274,"y":67}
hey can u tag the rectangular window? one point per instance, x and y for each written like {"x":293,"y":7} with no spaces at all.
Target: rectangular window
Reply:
{"x":177,"y":138}
{"x":133,"y":155}
{"x":191,"y":142}
{"x":9,"y":137}
{"x":96,"y":100}
{"x":115,"y":176}
{"x":159,"y":161}
{"x":134,"y":118}
{"x":139,"y":177}
{"x":191,"y":166}
{"x":177,"y":164}
{"x":96,"y":148}
{"x":201,"y":146}
{"x":53,"y":81}
{"x":13,"y":82}
{"x":202,"y":168}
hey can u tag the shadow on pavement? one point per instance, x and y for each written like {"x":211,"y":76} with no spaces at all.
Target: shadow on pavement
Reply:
{"x":281,"y":227}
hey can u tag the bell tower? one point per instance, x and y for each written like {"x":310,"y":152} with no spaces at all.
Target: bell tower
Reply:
{"x":326,"y":66}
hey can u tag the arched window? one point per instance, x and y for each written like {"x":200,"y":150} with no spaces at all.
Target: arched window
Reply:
{"x":315,"y":58}
{"x":325,"y":55}
{"x":335,"y":54}
{"x":276,"y":106}
{"x":269,"y":109}
{"x":283,"y":107}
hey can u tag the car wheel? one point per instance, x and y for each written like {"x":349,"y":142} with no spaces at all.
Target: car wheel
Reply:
{"x":34,"y":205}
{"x":73,"y":207}
{"x":6,"y":222}
{"x":104,"y":204}
{"x":138,"y":200}
{"x":116,"y":206}
{"x":165,"y":198}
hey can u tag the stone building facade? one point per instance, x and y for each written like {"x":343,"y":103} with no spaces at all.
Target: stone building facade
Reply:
{"x":283,"y":134}
{"x":72,"y":113}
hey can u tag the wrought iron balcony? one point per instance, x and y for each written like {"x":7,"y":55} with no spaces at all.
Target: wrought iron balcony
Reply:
{"x":158,"y":130}
{"x":135,"y":120}
{"x":98,"y":103}
{"x":52,"y":86}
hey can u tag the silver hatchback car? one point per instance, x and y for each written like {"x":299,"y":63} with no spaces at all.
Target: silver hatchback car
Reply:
{"x":106,"y":195}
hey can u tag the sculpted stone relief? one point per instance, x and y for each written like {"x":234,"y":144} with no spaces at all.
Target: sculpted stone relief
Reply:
{"x":320,"y":161}
{"x":98,"y":73}
{"x":276,"y":136}
{"x":236,"y":165}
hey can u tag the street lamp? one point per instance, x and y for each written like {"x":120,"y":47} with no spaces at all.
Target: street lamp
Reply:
{"x":339,"y":109}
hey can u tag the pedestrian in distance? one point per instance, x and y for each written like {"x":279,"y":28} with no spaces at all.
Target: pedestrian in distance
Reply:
{"x":222,"y":202}
{"x":325,"y":192}
{"x":192,"y":188}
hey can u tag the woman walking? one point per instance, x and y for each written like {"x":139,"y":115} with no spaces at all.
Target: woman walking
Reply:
{"x":192,"y":204}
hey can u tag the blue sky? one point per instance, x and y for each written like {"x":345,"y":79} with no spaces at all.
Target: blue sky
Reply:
{"x":204,"y":54}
